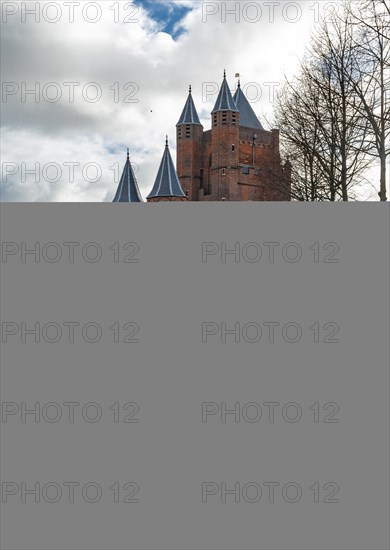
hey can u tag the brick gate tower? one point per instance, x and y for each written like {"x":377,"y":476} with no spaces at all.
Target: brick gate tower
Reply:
{"x":237,"y":160}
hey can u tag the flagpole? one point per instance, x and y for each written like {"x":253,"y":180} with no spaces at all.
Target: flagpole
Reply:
{"x":237,"y":83}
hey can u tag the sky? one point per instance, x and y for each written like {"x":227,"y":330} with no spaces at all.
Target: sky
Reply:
{"x":82,"y":81}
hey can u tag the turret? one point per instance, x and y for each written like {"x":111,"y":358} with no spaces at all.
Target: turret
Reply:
{"x":247,"y":114}
{"x":189,"y":139}
{"x":167,"y":185}
{"x":128,"y":190}
{"x":225,"y":121}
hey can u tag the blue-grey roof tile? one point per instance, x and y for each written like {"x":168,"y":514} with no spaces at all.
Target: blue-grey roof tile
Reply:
{"x":128,"y":190}
{"x":189,"y":114}
{"x":167,"y":183}
{"x":225,"y":101}
{"x":247,"y":114}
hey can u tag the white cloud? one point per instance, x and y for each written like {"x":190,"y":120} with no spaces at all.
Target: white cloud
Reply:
{"x":160,"y":68}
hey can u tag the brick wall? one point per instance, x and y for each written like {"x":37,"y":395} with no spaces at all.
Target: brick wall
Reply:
{"x":227,"y":163}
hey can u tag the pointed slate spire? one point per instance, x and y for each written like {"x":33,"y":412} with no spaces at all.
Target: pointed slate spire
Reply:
{"x":225,"y":101}
{"x":189,"y":114}
{"x":247,"y":114}
{"x":128,"y":190}
{"x":167,"y":183}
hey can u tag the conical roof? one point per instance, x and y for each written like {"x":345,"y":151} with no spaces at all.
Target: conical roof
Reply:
{"x":225,"y":101}
{"x":247,"y":114}
{"x":189,"y":114}
{"x":128,"y":190}
{"x":167,"y":183}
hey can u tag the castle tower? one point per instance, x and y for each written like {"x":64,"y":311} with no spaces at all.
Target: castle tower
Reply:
{"x":128,"y":190}
{"x":225,"y":141}
{"x":260,"y":173}
{"x":189,"y":139}
{"x":167,"y":185}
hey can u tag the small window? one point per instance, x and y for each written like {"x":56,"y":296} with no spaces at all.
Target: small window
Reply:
{"x":233,"y":148}
{"x":223,"y":172}
{"x":215,"y":119}
{"x":188,"y":131}
{"x":234,"y":120}
{"x":224,"y":118}
{"x":245,"y":170}
{"x":179,"y":133}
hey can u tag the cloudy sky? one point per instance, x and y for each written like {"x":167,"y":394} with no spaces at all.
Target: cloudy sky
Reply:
{"x":110,"y":75}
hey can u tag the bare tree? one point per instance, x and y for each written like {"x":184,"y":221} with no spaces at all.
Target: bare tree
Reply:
{"x":371,"y":82}
{"x":301,"y":142}
{"x":334,"y":116}
{"x":321,"y":118}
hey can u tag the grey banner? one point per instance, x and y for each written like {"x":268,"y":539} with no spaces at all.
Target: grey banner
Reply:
{"x":187,"y":376}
